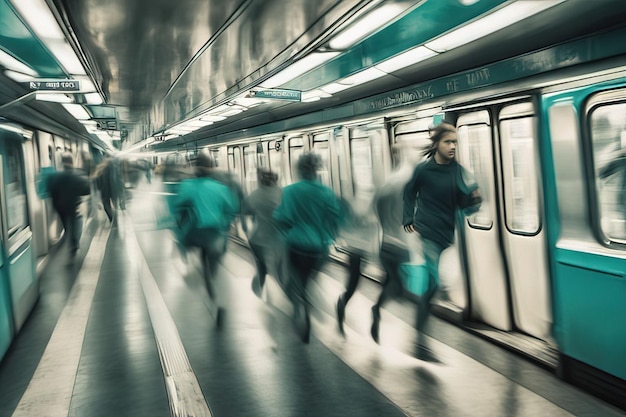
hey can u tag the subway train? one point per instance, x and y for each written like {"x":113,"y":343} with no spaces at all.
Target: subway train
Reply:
{"x":541,"y":267}
{"x":30,"y":226}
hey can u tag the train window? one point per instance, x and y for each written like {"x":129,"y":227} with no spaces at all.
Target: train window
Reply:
{"x":475,"y":152}
{"x":362,"y":171}
{"x":343,"y":159}
{"x":296,"y":149}
{"x":521,"y":196}
{"x":250,"y":168}
{"x":215,"y":154}
{"x":608,"y":135}
{"x":379,"y":140}
{"x":15,"y":189}
{"x":275,"y":158}
{"x":410,"y":139}
{"x":234,"y":162}
{"x":320,"y":147}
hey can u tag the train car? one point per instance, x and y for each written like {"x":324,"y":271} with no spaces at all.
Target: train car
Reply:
{"x":30,"y":226}
{"x":541,"y":267}
{"x":18,"y":286}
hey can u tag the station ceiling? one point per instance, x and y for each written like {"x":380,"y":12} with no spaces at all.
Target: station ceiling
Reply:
{"x":159,"y":62}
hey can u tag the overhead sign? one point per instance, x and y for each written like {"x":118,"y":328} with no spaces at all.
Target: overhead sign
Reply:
{"x":276,"y":94}
{"x":106,"y":124}
{"x":53,"y":85}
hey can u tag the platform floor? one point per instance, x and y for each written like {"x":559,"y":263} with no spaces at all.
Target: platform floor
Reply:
{"x":125,"y":330}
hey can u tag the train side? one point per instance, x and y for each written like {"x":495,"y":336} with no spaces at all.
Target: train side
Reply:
{"x":585,"y":163}
{"x":30,"y":226}
{"x":541,"y":267}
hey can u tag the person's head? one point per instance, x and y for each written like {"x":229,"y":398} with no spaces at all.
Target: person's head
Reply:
{"x":444,"y":141}
{"x":205,"y":163}
{"x":308,"y":165}
{"x":267,"y":177}
{"x":67,"y":160}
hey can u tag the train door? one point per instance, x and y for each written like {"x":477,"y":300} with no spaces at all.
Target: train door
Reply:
{"x":250,"y":158}
{"x":368,"y":151}
{"x":275,"y":159}
{"x":321,"y":147}
{"x":296,"y":146}
{"x":505,"y":244}
{"x":218,"y":155}
{"x":36,"y":204}
{"x":18,"y":263}
{"x":236,"y":168}
{"x":588,"y":197}
{"x":235,"y":163}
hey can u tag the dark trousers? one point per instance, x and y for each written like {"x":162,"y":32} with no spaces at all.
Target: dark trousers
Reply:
{"x":107,"y":204}
{"x":212,"y":244}
{"x":72,"y":230}
{"x":354,"y":265}
{"x":391,"y":257}
{"x":301,"y":267}
{"x":260,"y":254}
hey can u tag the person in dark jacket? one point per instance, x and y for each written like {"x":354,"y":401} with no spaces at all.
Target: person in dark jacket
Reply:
{"x":109,"y":182}
{"x":66,"y":189}
{"x":436,"y":190}
{"x":309,"y":216}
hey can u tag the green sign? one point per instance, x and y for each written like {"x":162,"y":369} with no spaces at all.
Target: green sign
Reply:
{"x":53,"y":85}
{"x":275,"y":94}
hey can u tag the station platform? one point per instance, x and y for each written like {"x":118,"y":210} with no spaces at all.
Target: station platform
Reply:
{"x":125,"y":330}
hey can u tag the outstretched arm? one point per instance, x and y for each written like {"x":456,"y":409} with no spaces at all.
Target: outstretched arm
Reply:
{"x":409,"y":195}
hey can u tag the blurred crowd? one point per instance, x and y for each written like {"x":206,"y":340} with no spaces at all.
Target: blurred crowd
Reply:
{"x":290,"y":231}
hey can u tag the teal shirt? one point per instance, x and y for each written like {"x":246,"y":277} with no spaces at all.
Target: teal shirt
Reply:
{"x":309,"y":214}
{"x":209,"y":204}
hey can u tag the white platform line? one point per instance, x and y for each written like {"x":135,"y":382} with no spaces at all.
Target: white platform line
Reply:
{"x":185,"y":395}
{"x":49,"y":392}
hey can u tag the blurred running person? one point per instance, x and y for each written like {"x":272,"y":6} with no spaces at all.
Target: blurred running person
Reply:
{"x":309,"y":217}
{"x":66,"y":189}
{"x":393,"y":249}
{"x":356,"y":234}
{"x":109,"y":182}
{"x":205,"y":209}
{"x":260,"y":204}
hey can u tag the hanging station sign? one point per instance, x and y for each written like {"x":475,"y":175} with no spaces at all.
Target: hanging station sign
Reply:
{"x":53,"y":85}
{"x":277,"y":94}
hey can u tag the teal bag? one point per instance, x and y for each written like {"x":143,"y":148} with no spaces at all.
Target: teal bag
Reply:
{"x":414,"y":278}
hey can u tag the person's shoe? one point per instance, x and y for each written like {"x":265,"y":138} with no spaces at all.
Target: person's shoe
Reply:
{"x":341,"y":313}
{"x":425,"y":354}
{"x":219,"y":318}
{"x":302,"y":323}
{"x":375,"y":325}
{"x":306,"y":333}
{"x":257,"y":288}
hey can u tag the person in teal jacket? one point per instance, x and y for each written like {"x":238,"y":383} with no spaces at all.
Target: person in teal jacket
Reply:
{"x":308,"y":216}
{"x":204,"y":208}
